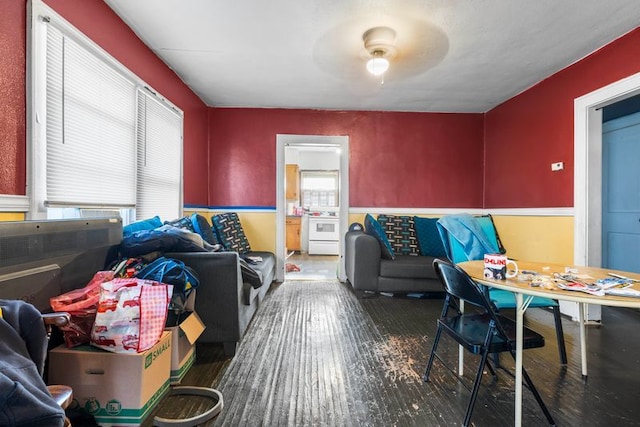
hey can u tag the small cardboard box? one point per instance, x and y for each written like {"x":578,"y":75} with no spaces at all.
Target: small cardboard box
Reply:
{"x":116,"y":388}
{"x":183,"y":348}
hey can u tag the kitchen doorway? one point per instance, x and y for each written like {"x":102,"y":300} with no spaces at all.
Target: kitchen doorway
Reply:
{"x":312,"y":206}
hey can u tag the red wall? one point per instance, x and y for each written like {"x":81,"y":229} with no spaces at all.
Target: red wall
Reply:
{"x":534,"y":129}
{"x":399,"y":160}
{"x":12,"y":97}
{"x":95,"y":19}
{"x":402,"y":160}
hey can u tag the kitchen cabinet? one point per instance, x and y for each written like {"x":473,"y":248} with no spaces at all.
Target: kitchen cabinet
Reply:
{"x":292,"y":182}
{"x":293,"y":227}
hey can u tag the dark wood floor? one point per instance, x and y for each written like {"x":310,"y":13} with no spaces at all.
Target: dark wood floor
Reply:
{"x":315,"y":355}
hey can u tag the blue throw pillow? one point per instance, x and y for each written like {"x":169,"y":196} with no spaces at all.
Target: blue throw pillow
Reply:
{"x":147,"y":224}
{"x":374,"y":228}
{"x":428,"y":237}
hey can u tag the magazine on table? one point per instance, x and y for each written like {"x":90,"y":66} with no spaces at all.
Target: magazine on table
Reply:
{"x":615,"y":285}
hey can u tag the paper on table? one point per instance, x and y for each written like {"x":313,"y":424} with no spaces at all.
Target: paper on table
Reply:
{"x":613,"y":282}
{"x":581,"y":287}
{"x":623,"y":292}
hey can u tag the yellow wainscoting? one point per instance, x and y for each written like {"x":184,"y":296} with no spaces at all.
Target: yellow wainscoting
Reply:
{"x":534,"y":238}
{"x":11,"y":216}
{"x":359,"y":218}
{"x":537,"y":238}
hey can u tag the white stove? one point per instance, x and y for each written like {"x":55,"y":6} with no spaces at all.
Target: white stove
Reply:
{"x":324,"y":235}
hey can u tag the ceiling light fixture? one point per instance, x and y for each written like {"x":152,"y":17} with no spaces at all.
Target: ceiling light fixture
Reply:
{"x":378,"y":42}
{"x":378,"y":64}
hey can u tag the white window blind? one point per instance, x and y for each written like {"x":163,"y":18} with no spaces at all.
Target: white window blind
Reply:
{"x":159,"y":159}
{"x":90,"y":128}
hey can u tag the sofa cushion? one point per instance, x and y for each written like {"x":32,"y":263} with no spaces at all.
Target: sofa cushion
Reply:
{"x":266,"y":264}
{"x":408,"y":267}
{"x":374,"y":228}
{"x":230,"y":232}
{"x":429,"y":238}
{"x":401,"y":233}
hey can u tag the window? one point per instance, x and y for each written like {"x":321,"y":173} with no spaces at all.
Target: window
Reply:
{"x":319,"y":189}
{"x":101,"y":141}
{"x":159,"y":159}
{"x":90,"y":128}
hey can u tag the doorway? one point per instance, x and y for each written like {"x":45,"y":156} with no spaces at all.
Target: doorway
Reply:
{"x":587,"y":183}
{"x":588,"y":167}
{"x":620,"y":193}
{"x":321,"y":159}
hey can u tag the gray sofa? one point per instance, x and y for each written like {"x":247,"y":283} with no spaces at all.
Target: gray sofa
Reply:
{"x":368,"y":271}
{"x":224,"y":302}
{"x":47,"y":258}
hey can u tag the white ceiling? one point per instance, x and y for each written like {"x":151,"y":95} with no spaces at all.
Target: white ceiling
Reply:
{"x":453,"y":55}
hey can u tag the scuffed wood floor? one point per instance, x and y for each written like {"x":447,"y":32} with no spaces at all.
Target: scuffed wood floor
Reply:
{"x":315,"y":355}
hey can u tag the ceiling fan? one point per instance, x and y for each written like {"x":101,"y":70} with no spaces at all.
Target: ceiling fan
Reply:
{"x":378,"y":41}
{"x":393,"y":51}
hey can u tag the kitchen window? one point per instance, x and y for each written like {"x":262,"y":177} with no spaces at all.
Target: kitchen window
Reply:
{"x":319,"y":189}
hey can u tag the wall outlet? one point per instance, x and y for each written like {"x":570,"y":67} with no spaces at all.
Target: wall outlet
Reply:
{"x":557,"y":166}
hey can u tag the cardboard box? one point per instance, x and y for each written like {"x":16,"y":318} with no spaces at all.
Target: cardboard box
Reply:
{"x":116,"y":388}
{"x":183,"y":348}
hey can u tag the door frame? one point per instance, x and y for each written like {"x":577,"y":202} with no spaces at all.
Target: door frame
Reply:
{"x":287,"y":140}
{"x":587,"y":183}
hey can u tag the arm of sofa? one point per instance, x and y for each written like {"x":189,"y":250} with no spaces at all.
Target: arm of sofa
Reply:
{"x":218,"y":296}
{"x":362,"y":260}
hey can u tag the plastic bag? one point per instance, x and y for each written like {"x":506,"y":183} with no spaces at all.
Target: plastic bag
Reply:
{"x":131,"y":315}
{"x":81,"y":304}
{"x":78,"y":330}
{"x":80,"y":299}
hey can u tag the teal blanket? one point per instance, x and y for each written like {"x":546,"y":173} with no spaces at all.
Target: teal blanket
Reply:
{"x":473,"y":242}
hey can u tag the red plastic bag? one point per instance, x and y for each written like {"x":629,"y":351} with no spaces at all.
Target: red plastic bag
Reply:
{"x":81,"y":304}
{"x":80,"y":299}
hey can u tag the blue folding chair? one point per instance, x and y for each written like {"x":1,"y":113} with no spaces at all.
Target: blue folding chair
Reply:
{"x":500,"y":298}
